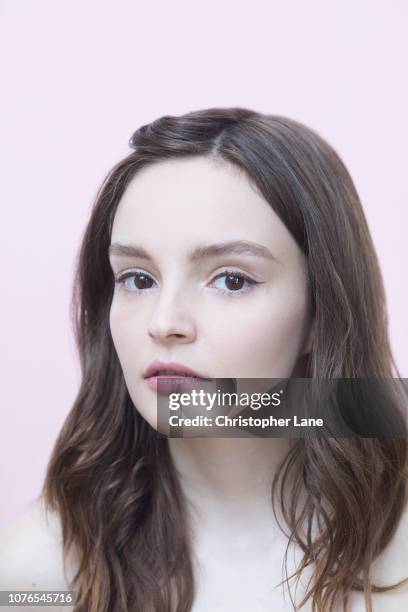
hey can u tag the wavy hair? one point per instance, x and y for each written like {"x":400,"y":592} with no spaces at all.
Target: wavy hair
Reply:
{"x":110,"y":476}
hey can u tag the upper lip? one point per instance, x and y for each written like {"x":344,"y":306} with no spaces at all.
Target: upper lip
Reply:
{"x":157,"y":365}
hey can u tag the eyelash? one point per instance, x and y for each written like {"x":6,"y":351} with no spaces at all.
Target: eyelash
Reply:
{"x":120,"y":280}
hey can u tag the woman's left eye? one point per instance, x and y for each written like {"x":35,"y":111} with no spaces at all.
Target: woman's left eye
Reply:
{"x":235,"y":282}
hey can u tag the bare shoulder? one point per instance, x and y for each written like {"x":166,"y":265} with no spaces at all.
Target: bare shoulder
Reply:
{"x":390,"y":568}
{"x":31,"y":552}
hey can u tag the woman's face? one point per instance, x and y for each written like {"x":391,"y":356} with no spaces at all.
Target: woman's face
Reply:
{"x":175,"y":307}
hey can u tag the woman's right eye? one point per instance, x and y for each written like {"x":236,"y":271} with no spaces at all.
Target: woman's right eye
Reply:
{"x":134,"y":281}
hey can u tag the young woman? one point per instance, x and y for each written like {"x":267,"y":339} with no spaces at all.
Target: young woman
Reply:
{"x":227,"y":244}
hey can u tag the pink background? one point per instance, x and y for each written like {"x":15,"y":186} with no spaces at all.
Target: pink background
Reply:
{"x":80,"y":77}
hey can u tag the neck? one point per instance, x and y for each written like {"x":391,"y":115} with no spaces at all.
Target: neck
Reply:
{"x":228,"y":475}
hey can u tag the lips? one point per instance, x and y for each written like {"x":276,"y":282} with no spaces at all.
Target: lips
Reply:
{"x":163,"y":368}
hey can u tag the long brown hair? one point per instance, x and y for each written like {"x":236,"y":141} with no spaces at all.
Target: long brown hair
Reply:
{"x":111,"y":478}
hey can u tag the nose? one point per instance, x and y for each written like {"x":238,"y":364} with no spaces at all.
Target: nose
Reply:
{"x":172,"y":320}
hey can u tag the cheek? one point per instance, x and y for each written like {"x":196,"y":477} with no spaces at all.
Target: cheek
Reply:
{"x":126,"y":337}
{"x":262,"y":339}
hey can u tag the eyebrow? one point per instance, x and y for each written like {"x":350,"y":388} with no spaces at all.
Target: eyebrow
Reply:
{"x":238,"y":247}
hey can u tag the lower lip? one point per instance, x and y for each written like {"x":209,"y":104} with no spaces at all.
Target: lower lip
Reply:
{"x":174,"y":384}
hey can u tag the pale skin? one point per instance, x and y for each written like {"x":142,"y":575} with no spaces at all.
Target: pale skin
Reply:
{"x":187,"y":313}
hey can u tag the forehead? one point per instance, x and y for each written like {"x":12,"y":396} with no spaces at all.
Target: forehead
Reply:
{"x":177,"y":204}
